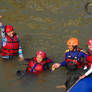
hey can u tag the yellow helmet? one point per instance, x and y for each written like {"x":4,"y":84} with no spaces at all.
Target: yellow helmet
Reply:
{"x":73,"y":41}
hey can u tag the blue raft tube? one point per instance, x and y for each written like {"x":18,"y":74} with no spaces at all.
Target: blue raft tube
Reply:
{"x":84,"y":85}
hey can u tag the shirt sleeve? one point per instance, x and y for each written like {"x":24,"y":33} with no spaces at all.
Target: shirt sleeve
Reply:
{"x":84,"y":55}
{"x":20,"y":49}
{"x":64,"y":62}
{"x":49,"y":60}
{"x":89,"y":71}
{"x":2,"y":31}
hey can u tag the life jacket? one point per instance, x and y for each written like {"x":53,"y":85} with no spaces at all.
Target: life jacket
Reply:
{"x":89,"y":59}
{"x":72,"y":62}
{"x":36,"y":67}
{"x":11,"y":47}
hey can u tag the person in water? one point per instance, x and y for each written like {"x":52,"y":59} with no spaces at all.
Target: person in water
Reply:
{"x":39,"y":63}
{"x":10,"y":43}
{"x":74,"y":61}
{"x":88,"y":60}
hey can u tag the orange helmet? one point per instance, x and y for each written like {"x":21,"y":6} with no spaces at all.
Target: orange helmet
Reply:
{"x":73,"y":41}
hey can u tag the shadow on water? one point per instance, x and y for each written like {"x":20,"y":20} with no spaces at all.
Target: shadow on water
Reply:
{"x":46,"y":25}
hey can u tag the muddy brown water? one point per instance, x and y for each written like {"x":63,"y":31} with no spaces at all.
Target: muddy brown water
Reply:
{"x":43,"y":25}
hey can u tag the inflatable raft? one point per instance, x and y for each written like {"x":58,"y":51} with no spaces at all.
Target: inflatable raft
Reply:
{"x":84,"y":85}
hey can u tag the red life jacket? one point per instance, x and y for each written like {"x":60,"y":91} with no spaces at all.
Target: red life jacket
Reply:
{"x":89,"y":59}
{"x":73,"y":63}
{"x":36,"y":67}
{"x":11,"y":47}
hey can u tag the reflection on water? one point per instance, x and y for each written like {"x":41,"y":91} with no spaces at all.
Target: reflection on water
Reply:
{"x":46,"y":25}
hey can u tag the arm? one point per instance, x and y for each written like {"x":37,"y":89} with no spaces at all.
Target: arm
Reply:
{"x":2,"y":30}
{"x":87,"y":73}
{"x":4,"y":40}
{"x":64,"y":62}
{"x":49,"y":60}
{"x":48,"y":64}
{"x":82,"y":57}
{"x":57,"y":65}
{"x":20,"y":52}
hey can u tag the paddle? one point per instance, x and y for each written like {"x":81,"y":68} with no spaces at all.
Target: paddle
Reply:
{"x":63,"y":86}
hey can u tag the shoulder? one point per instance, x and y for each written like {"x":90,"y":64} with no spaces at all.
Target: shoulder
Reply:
{"x":66,"y":51}
{"x":15,"y":34}
{"x":2,"y":26}
{"x":46,"y":58}
{"x":83,"y":51}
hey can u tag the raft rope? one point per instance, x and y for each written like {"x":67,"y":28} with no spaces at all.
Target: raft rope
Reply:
{"x":73,"y":85}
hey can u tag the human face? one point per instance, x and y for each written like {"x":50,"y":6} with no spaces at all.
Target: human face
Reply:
{"x":10,"y":34}
{"x":39,"y":58}
{"x":90,"y":47}
{"x":70,"y":47}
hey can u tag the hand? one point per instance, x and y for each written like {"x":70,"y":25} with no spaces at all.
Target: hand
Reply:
{"x":54,"y":66}
{"x":0,"y":21}
{"x":0,"y":17}
{"x":81,"y":77}
{"x":21,"y":59}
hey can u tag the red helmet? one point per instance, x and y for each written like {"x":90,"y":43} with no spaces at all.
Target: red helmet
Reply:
{"x":42,"y":53}
{"x":90,"y":42}
{"x":8,"y":28}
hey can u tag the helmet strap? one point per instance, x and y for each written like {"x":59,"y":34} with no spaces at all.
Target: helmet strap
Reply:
{"x":75,"y":47}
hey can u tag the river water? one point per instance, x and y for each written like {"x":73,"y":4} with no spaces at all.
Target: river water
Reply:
{"x":42,"y":25}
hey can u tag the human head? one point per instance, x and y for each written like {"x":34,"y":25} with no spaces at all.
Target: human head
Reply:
{"x":40,"y":55}
{"x":9,"y":30}
{"x":72,"y":43}
{"x":89,"y":43}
